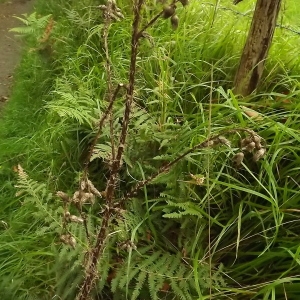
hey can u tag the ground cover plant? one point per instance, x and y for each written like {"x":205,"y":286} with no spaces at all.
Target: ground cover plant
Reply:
{"x":202,"y":203}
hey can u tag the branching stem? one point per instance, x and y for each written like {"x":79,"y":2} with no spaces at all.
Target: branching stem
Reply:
{"x":166,"y":168}
{"x":91,"y":267}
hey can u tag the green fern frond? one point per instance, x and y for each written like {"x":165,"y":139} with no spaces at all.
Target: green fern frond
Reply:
{"x":102,"y":151}
{"x":115,"y":282}
{"x":134,"y":271}
{"x":186,"y":209}
{"x":73,"y":106}
{"x":34,"y":25}
{"x":103,"y":268}
{"x":36,"y":194}
{"x":176,"y":289}
{"x":68,"y":270}
{"x":149,"y":274}
{"x":140,"y":281}
{"x":153,"y":286}
{"x":23,"y":30}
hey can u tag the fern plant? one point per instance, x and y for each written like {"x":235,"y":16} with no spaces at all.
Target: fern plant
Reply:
{"x":157,"y":274}
{"x":37,"y":196}
{"x":34,"y":28}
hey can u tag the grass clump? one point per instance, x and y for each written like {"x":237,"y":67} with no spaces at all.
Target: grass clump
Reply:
{"x":205,"y":224}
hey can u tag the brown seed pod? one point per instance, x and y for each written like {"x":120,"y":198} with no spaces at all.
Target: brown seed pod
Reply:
{"x":224,"y":141}
{"x":257,"y":139}
{"x":258,"y":146}
{"x":238,"y":158}
{"x":72,"y":242}
{"x":250,"y":147}
{"x":67,"y":216}
{"x":175,"y":21}
{"x":245,"y":142}
{"x":208,"y":143}
{"x":65,"y":197}
{"x":75,"y":219}
{"x":259,"y":154}
{"x":168,"y":11}
{"x":93,"y":189}
{"x":184,"y":2}
{"x":68,"y":239}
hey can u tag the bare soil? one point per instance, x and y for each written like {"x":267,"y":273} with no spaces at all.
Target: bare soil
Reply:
{"x":10,"y":46}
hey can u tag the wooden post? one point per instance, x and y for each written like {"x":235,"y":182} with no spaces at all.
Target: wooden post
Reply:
{"x":257,"y":46}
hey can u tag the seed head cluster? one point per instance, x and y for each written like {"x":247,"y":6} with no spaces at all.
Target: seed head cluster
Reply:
{"x":251,"y":144}
{"x":169,"y":12}
{"x":86,"y":193}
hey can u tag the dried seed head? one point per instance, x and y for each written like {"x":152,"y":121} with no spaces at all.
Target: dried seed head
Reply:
{"x":208,"y":143}
{"x":103,"y":194}
{"x":67,"y":216}
{"x":102,"y":7}
{"x":92,"y":188}
{"x":258,"y":146}
{"x":224,"y":141}
{"x":259,"y":154}
{"x":184,"y":2}
{"x":127,"y":245}
{"x":256,"y":138}
{"x":168,"y":11}
{"x":68,"y":239}
{"x":88,"y":197}
{"x":82,"y":197}
{"x":250,"y":147}
{"x":238,"y":158}
{"x":64,"y":238}
{"x":83,"y":184}
{"x":72,"y":242}
{"x":63,"y":196}
{"x":75,"y":219}
{"x":76,"y":197}
{"x":245,"y":142}
{"x":120,"y":211}
{"x":174,"y":21}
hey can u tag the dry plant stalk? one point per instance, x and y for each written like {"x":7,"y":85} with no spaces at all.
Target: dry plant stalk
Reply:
{"x":91,"y":274}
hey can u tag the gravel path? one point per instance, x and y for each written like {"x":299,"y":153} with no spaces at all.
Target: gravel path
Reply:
{"x":10,"y":46}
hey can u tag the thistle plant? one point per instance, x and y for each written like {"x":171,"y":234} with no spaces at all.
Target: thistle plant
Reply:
{"x":87,"y":192}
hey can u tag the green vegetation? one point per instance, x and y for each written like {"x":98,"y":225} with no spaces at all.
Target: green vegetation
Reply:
{"x":205,"y":229}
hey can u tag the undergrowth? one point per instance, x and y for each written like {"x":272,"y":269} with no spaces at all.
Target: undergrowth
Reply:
{"x":196,"y":210}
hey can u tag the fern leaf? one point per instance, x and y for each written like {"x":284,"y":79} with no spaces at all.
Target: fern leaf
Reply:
{"x":127,"y":279}
{"x":115,"y":282}
{"x":103,"y":268}
{"x":139,"y":285}
{"x":176,"y":289}
{"x":153,"y":288}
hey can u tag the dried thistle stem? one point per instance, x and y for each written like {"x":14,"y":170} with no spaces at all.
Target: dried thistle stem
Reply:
{"x":107,"y":14}
{"x":100,"y":126}
{"x":91,"y":268}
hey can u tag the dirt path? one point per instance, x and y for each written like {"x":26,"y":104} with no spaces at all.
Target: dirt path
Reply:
{"x":10,"y":47}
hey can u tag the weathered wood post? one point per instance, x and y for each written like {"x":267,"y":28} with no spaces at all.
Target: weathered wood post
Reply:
{"x":257,"y":46}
